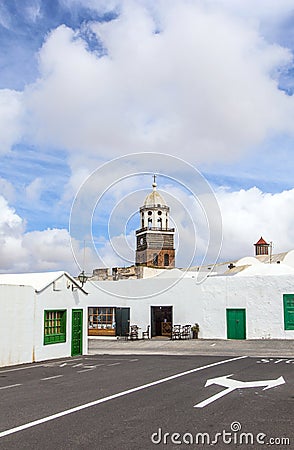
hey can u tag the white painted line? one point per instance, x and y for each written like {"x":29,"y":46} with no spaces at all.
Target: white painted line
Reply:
{"x":11,"y":386}
{"x":113,"y":364}
{"x":62,"y":365}
{"x":132,"y":360}
{"x":84,"y":370}
{"x":78,"y":365}
{"x":111,"y":397}
{"x":21,"y":368}
{"x":110,"y":359}
{"x":34,"y":366}
{"x":51,"y":378}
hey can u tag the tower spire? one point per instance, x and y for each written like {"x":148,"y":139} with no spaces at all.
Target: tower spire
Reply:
{"x":154,"y":184}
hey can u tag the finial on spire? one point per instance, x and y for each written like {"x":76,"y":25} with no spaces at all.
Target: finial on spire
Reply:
{"x":154,"y":182}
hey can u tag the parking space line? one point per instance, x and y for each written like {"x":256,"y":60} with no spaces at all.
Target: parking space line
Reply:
{"x":113,"y":364}
{"x":85,"y":370}
{"x":51,"y":378}
{"x":114,"y":396}
{"x":11,"y":386}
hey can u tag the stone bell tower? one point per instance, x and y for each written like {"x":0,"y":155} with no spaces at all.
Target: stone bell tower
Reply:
{"x":155,"y":240}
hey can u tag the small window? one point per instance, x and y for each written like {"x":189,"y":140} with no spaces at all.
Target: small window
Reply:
{"x":166,"y":259}
{"x":289,"y":311}
{"x":101,"y":320}
{"x":54,"y":327}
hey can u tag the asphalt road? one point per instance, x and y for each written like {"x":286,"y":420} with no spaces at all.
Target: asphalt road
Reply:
{"x":146,"y":402}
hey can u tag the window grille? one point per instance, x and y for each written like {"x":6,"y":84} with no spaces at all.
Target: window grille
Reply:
{"x":54,"y":326}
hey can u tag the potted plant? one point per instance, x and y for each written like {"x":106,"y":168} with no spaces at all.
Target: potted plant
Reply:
{"x":195,"y":330}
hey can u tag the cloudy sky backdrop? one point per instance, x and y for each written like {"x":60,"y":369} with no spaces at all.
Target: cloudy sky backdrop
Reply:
{"x":85,"y":81}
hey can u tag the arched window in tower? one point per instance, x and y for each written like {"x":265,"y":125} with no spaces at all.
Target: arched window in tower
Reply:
{"x":166,"y":223}
{"x":166,"y":259}
{"x":155,"y":259}
{"x":149,"y":223}
{"x":142,"y":221}
{"x":159,"y":223}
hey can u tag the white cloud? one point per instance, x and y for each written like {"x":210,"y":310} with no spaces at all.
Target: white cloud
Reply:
{"x":34,"y":190}
{"x":7,"y":189}
{"x":189,"y":90}
{"x":205,"y":87}
{"x":11,"y":231}
{"x":11,"y":110}
{"x":248,"y":214}
{"x":11,"y":224}
{"x":38,"y":251}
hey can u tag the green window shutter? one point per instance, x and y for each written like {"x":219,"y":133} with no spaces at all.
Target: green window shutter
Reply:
{"x":289,"y":311}
{"x":54,"y":326}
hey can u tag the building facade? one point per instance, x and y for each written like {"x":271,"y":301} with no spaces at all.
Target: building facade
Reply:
{"x":44,"y":316}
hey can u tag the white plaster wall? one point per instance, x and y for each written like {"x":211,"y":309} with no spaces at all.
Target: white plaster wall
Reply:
{"x":289,"y":258}
{"x":17,"y":324}
{"x":64,"y":298}
{"x":205,"y":303}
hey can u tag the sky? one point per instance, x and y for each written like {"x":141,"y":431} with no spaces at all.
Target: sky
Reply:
{"x":96,"y":96}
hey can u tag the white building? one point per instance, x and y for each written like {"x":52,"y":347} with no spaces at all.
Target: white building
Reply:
{"x":48,"y":315}
{"x":244,"y":306}
{"x":43,"y":316}
{"x":252,"y":298}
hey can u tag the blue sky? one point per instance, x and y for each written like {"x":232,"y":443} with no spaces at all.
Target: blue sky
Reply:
{"x":84,"y":82}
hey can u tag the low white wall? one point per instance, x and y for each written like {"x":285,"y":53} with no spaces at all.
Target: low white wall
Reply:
{"x":205,"y":303}
{"x":17,"y":324}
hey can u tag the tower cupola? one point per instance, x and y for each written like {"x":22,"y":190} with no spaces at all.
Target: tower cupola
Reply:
{"x":261,"y":247}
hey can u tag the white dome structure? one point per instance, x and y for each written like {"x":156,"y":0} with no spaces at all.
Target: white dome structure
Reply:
{"x":154,"y":199}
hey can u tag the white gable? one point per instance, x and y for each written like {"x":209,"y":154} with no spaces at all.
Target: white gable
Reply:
{"x":38,"y":281}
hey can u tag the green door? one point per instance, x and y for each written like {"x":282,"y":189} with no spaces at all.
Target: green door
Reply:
{"x":77,"y":332}
{"x":236,"y":323}
{"x":289,"y":311}
{"x":122,"y":320}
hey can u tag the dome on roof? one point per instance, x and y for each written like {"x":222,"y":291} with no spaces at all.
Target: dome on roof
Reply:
{"x":154,"y":199}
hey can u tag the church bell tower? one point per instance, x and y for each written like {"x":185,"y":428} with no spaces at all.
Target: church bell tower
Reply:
{"x":155,"y":240}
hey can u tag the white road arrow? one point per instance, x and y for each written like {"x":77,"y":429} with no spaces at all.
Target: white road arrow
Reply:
{"x":231,"y":385}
